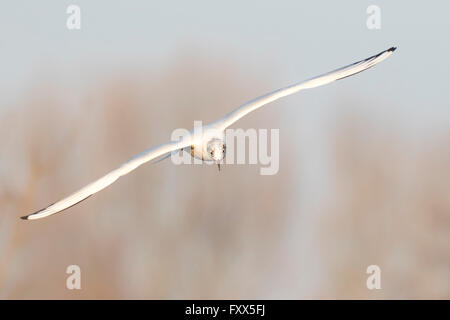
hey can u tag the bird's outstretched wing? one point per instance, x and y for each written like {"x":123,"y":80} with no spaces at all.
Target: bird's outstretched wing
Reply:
{"x":321,"y":80}
{"x":109,"y":178}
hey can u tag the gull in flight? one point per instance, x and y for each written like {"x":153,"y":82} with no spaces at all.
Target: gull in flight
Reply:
{"x":210,"y":145}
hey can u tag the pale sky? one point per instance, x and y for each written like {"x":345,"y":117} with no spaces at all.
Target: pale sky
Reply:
{"x":300,"y":38}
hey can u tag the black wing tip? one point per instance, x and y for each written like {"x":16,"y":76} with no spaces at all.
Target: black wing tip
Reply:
{"x":27,"y":217}
{"x":391,"y":49}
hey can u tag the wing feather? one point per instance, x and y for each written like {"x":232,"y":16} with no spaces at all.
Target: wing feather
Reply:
{"x":321,"y":80}
{"x":108,"y":179}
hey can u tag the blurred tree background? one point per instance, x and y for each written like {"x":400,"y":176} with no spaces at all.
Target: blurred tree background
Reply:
{"x":189,"y":231}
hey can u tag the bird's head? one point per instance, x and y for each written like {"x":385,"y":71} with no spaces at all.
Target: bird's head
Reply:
{"x":216,"y":149}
